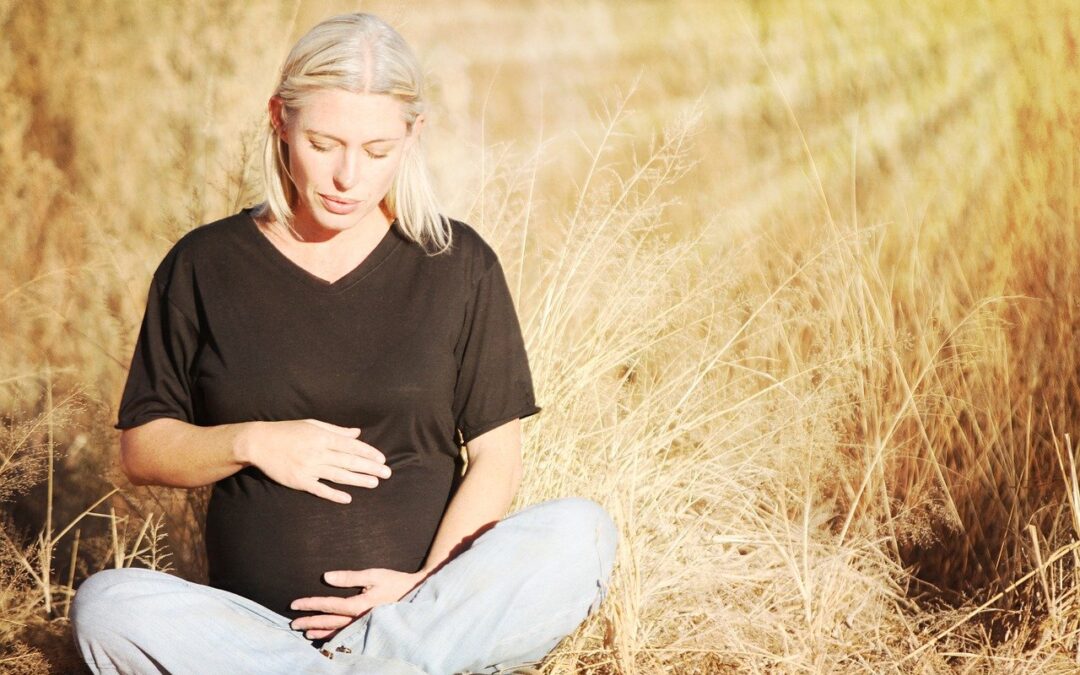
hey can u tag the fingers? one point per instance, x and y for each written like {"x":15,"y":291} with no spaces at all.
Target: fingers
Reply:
{"x":356,"y":464}
{"x":352,"y":578}
{"x":318,"y":634}
{"x":331,"y":454}
{"x":326,"y":492}
{"x":339,"y":475}
{"x":351,"y":432}
{"x":322,"y":622}
{"x":328,"y":604}
{"x":346,"y":469}
{"x":357,"y":448}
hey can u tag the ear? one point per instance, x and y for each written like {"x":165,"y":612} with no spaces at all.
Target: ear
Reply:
{"x":277,"y":118}
{"x":417,"y":128}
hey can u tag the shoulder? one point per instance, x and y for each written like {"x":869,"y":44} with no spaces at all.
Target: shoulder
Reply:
{"x":208,"y":243}
{"x":469,"y":248}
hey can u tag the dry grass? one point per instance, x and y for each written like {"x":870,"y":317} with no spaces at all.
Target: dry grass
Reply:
{"x":800,"y":294}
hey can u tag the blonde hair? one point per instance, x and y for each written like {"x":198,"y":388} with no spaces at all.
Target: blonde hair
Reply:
{"x":358,"y":53}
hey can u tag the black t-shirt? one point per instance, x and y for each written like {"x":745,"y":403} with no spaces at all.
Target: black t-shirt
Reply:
{"x":423,"y":353}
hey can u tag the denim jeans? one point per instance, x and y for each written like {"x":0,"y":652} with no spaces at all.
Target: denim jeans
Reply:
{"x":506,"y":601}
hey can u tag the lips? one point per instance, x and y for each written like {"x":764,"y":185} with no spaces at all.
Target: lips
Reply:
{"x":337,"y":205}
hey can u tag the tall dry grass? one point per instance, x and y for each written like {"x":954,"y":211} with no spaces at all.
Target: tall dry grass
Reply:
{"x":799,"y":292}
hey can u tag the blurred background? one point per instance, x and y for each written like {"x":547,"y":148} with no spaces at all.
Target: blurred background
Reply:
{"x":798,"y":280}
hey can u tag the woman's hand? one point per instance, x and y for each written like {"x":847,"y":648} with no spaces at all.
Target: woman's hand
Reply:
{"x":381,"y":586}
{"x":297,"y":453}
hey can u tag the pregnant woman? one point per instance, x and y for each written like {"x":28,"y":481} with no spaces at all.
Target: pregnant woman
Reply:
{"x":320,"y":359}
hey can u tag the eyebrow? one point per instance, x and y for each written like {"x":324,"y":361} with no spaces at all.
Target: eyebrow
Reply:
{"x":335,"y":138}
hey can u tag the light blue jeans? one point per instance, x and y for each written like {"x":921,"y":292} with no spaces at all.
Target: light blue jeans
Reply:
{"x":504,"y":602}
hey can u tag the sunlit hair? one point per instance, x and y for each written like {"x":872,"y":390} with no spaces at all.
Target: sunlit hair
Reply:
{"x":359,"y":53}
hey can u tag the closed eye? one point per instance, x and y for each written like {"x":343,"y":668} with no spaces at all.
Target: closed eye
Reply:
{"x":325,"y":148}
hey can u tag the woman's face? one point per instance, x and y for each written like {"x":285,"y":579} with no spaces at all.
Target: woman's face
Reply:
{"x":344,"y":151}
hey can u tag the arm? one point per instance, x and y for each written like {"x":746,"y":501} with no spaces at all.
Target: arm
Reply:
{"x":295,"y":453}
{"x":172,"y":452}
{"x":491,"y":480}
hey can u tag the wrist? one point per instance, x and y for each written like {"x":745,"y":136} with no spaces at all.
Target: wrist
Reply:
{"x":424,"y":571}
{"x":244,"y":445}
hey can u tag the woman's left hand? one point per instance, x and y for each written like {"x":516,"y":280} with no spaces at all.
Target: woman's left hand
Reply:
{"x":381,"y":586}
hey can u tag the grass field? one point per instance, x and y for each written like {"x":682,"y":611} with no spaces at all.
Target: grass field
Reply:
{"x":798,"y":279}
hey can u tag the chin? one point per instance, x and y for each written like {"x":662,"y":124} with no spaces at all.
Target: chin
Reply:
{"x":333,"y":221}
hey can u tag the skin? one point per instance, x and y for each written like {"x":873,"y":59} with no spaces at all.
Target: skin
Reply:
{"x":347,"y":146}
{"x":351,"y":145}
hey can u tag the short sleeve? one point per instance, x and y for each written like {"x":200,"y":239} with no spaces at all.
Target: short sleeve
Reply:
{"x":494,"y":384}
{"x":159,"y":380}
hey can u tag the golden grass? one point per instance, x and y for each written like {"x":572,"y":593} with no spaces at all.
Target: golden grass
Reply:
{"x":798,"y":281}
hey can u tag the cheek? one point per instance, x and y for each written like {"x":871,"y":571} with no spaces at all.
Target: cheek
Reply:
{"x":308,"y":165}
{"x":299,"y":168}
{"x":385,"y":175}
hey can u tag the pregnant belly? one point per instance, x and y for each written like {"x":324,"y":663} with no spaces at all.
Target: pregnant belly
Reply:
{"x":272,"y":544}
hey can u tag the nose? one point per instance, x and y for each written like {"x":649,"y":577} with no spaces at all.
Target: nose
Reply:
{"x":347,"y":172}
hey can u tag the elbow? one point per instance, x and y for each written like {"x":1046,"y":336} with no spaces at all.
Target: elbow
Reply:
{"x":129,"y":458}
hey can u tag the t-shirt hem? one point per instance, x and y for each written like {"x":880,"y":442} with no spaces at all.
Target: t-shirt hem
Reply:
{"x":527,"y":411}
{"x":131,"y":423}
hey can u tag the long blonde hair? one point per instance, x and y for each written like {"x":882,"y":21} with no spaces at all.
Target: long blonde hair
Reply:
{"x":359,"y":53}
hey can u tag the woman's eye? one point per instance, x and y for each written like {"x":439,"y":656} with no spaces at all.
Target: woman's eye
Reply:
{"x":325,"y":148}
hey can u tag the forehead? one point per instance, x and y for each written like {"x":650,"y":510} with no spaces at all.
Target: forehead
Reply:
{"x":353,"y":116}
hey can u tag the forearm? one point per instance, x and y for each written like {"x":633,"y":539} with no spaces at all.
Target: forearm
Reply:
{"x":483,"y":498}
{"x":174,"y":453}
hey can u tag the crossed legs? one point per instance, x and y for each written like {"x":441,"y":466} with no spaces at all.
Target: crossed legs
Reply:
{"x":506,"y":601}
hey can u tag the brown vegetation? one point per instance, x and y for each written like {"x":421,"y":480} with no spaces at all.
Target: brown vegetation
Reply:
{"x":798,"y":281}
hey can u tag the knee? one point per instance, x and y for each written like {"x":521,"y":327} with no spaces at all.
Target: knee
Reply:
{"x":94,"y":601}
{"x":576,"y":523}
{"x":100,"y":600}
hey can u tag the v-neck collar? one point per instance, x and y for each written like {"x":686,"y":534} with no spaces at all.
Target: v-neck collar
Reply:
{"x":389,"y":242}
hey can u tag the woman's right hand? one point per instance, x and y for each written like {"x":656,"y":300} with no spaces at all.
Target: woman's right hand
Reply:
{"x":297,"y":453}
